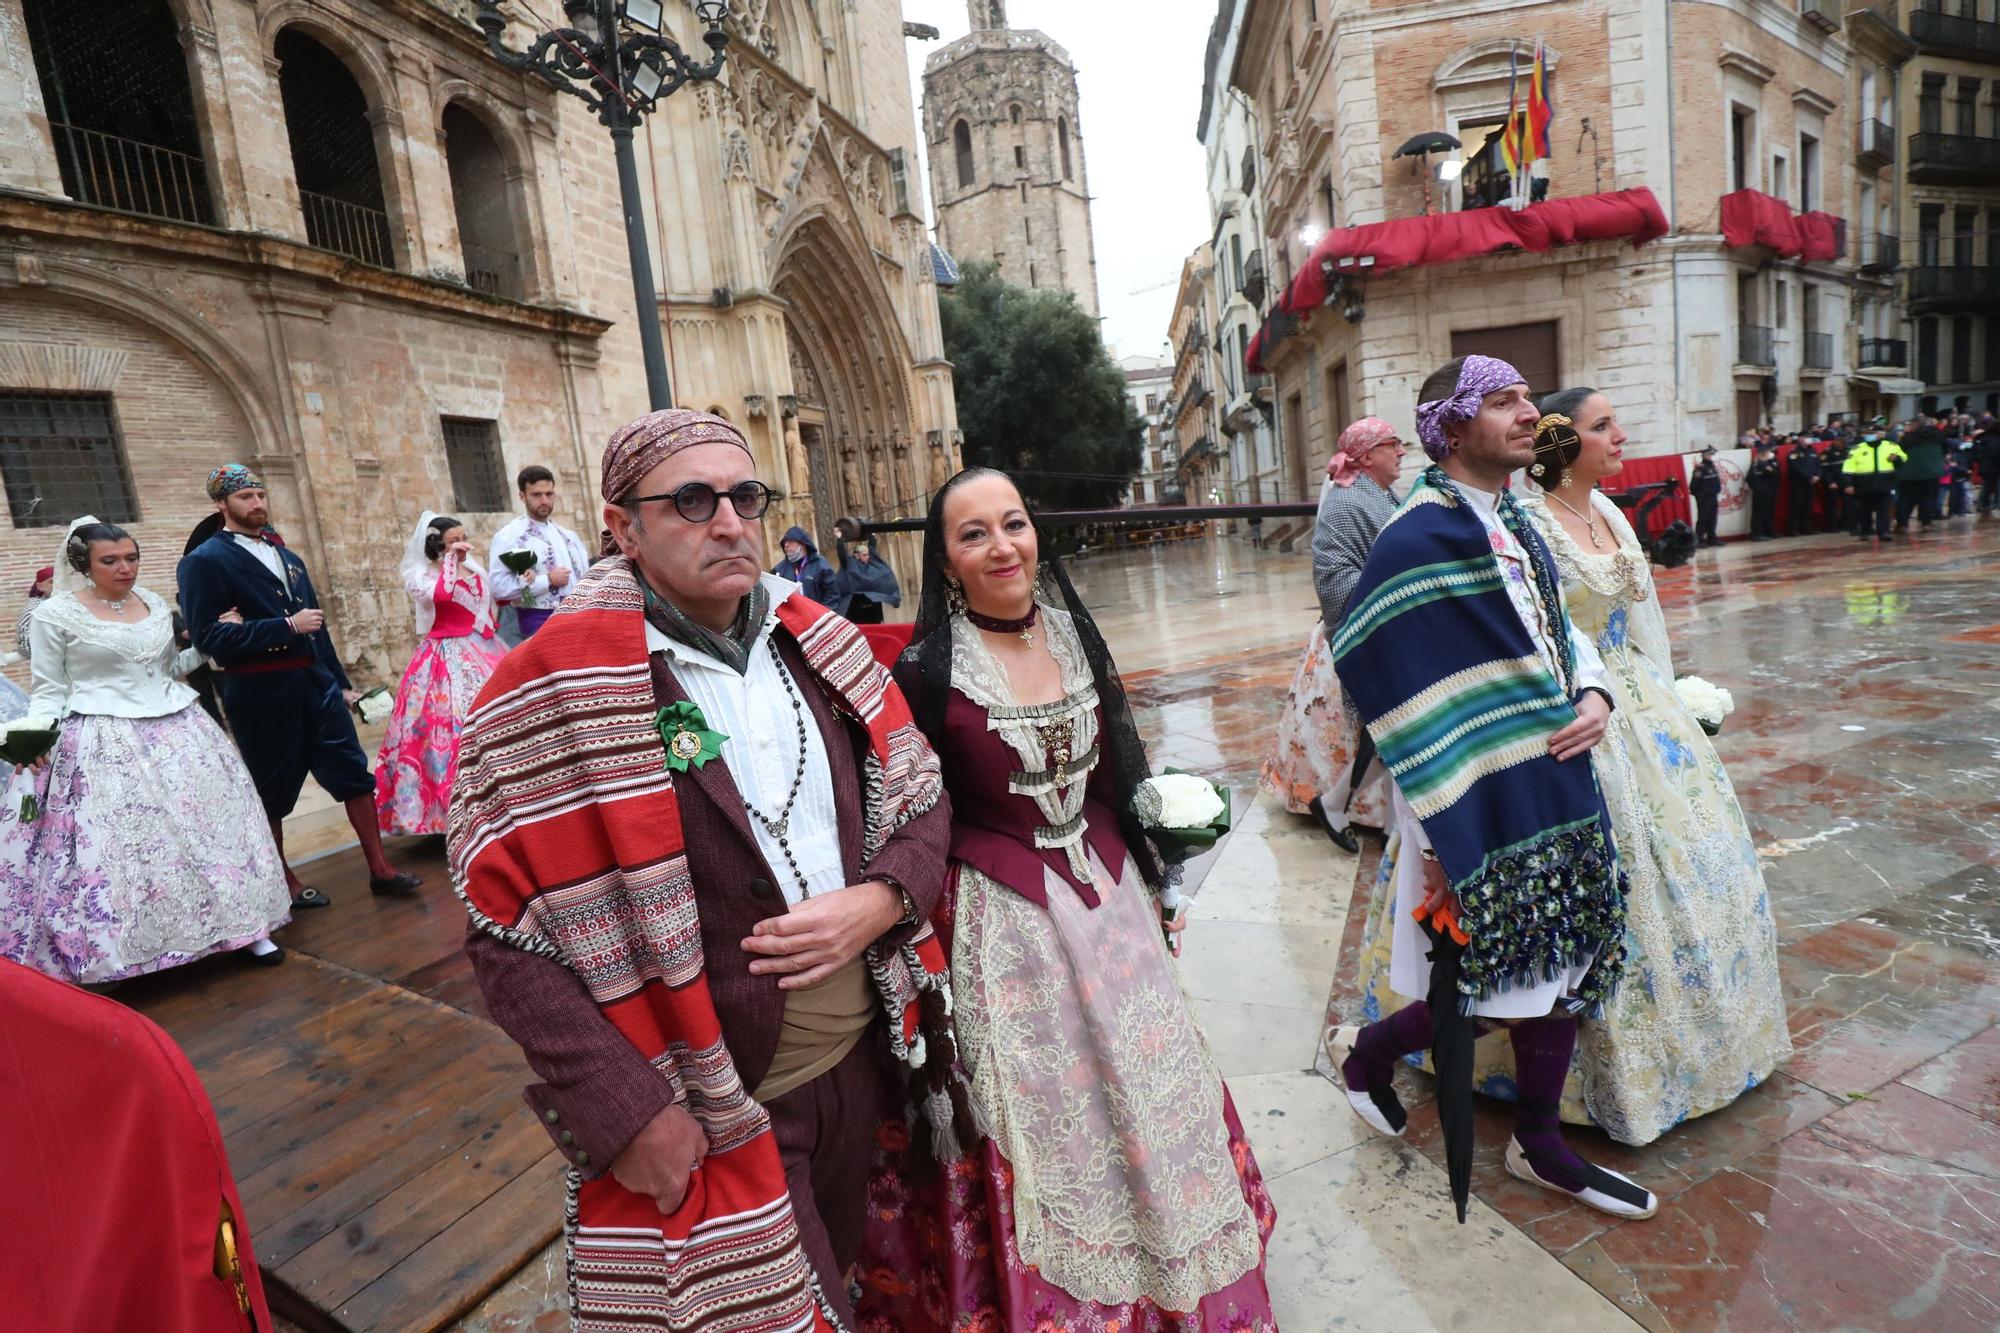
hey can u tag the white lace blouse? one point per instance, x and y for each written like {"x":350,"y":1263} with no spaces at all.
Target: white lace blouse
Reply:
{"x":86,"y":665}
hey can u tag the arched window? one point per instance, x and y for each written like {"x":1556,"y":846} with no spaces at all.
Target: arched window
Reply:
{"x":961,"y":142}
{"x":115,"y":84}
{"x":479,"y":198}
{"x":333,"y":151}
{"x":1062,"y":142}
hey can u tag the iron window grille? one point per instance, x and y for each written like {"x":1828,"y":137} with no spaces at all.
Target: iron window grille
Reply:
{"x":478,"y":476}
{"x":61,"y":456}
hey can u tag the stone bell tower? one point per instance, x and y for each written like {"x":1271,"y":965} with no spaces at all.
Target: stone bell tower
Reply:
{"x":1006,"y":156}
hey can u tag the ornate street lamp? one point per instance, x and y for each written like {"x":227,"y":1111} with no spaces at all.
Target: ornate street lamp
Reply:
{"x":614,"y":56}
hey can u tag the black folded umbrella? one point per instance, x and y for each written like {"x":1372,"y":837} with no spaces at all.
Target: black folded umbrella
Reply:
{"x":1364,"y":755}
{"x":1452,"y":1035}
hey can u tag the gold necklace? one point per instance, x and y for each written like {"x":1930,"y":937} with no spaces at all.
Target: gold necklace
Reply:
{"x":1589,"y":521}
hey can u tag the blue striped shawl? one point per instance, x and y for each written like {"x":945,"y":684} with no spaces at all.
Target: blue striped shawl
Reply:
{"x":1461,"y":706}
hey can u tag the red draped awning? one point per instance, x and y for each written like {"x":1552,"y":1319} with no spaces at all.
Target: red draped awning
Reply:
{"x":1751,"y":217}
{"x":1445,"y":238}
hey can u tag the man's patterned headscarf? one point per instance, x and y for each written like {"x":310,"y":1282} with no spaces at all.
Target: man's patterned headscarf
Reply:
{"x":230,"y":478}
{"x":1353,"y":447}
{"x":1479,"y":376}
{"x":638,"y":447}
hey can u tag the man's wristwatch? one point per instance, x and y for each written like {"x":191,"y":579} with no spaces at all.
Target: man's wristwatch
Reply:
{"x":910,"y":914}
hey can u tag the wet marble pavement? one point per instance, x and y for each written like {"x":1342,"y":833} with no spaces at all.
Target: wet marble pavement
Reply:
{"x":1860,"y":1187}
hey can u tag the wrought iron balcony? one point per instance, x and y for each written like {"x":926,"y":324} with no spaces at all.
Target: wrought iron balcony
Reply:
{"x":1874,"y":143}
{"x":1819,"y":351}
{"x":1754,"y":343}
{"x":130,"y":176}
{"x":1954,"y":159}
{"x":1953,"y":287}
{"x":1893,"y":353}
{"x":1822,"y":14}
{"x":354,"y":230}
{"x":1254,"y":279}
{"x":1962,"y":38}
{"x":1880,"y":252}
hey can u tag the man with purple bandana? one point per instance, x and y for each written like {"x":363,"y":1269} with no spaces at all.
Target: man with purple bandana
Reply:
{"x":1484,"y":704}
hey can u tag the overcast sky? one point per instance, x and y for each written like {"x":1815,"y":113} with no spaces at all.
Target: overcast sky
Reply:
{"x":1138,"y":68}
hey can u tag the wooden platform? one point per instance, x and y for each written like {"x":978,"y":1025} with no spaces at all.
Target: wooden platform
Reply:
{"x":391,"y":1173}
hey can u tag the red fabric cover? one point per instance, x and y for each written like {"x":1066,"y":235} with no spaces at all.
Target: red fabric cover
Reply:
{"x":1751,"y":217}
{"x":1253,"y":356}
{"x":1821,"y":236}
{"x":1639,"y":472}
{"x":115,"y":1171}
{"x":1445,"y":238}
{"x":887,"y":642}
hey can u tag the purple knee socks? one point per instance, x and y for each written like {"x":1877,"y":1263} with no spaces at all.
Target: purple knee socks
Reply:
{"x":1372,"y":1067}
{"x":1542,"y":1048}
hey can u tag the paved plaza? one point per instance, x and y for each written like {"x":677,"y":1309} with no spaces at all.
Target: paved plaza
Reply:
{"x":394,"y":1179}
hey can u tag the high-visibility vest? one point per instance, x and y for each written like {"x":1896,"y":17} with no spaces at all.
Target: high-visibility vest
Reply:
{"x":1868,"y":457}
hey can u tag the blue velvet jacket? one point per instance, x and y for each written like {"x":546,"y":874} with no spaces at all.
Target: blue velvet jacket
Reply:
{"x":220,"y":574}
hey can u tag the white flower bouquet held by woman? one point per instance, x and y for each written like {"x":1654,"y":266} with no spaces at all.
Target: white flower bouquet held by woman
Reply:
{"x":1708,"y":702}
{"x":1184,"y":814}
{"x":23,"y":742}
{"x":376,"y":705}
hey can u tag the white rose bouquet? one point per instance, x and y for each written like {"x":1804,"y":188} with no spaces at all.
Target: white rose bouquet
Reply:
{"x":25,"y":741}
{"x":1184,"y":814}
{"x":1709,"y":703}
{"x":375,"y":705}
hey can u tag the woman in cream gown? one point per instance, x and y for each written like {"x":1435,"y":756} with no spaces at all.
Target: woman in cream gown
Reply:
{"x":1700,"y":1018}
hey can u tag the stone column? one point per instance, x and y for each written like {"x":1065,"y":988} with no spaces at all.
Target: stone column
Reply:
{"x":27,"y":152}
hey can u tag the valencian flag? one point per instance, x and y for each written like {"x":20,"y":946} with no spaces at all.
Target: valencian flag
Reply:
{"x":1540,"y":113}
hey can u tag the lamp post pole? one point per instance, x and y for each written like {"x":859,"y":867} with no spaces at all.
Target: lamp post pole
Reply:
{"x":614,"y":57}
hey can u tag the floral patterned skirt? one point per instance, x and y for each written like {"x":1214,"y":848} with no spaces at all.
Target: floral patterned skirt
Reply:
{"x":1116,"y":1192}
{"x":420,"y":750}
{"x":1314,"y":755}
{"x":151,"y":850}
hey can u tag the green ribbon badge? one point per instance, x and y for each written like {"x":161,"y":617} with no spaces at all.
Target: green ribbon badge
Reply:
{"x":686,"y":735}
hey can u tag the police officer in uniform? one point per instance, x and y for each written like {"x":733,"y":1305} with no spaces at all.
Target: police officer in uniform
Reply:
{"x":1705,"y":485}
{"x":1762,"y":483}
{"x":1870,"y":477}
{"x":1802,"y":472}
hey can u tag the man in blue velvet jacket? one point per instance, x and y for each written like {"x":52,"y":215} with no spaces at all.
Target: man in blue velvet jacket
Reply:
{"x":283,"y":686}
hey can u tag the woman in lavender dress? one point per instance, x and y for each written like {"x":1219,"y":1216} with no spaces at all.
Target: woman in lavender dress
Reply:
{"x":150,"y":848}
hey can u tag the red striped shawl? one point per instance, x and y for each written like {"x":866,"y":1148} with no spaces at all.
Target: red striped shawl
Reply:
{"x":566,"y":840}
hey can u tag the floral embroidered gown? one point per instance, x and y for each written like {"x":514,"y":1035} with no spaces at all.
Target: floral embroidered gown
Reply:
{"x":419,"y":757}
{"x":1700,"y":1018}
{"x":1116,"y":1192}
{"x":151,"y":848}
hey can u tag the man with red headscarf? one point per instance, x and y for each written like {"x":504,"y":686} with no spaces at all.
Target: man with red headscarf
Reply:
{"x":700,"y":837}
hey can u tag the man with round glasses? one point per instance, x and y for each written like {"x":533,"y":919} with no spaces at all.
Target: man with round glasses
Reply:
{"x":700,"y":836}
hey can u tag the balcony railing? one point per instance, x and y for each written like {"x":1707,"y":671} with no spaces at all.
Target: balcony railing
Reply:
{"x":133,"y":177}
{"x":493,"y":272}
{"x":1954,"y":286}
{"x":1819,"y":351}
{"x":1254,"y":279}
{"x":1822,"y":14}
{"x":1892,"y":352}
{"x":354,"y":230}
{"x":1753,"y":346}
{"x":1874,"y":143}
{"x":1965,"y":38}
{"x":1954,"y":159}
{"x":1880,"y":252}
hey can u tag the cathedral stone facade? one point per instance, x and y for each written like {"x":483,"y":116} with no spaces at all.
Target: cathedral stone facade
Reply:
{"x":336,"y":240}
{"x":1006,"y":156}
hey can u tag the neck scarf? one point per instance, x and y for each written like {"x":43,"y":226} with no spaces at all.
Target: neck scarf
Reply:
{"x":732,"y":646}
{"x":1461,"y":706}
{"x":1479,"y":376}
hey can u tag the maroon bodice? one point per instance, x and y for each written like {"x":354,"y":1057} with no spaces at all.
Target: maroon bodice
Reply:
{"x":993,"y":829}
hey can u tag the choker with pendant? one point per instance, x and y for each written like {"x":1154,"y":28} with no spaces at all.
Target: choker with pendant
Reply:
{"x":995,"y":625}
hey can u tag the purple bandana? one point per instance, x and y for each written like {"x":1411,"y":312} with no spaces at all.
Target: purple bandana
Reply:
{"x":1479,"y":376}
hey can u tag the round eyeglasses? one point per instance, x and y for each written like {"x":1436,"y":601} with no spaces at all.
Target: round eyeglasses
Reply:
{"x":697,"y":502}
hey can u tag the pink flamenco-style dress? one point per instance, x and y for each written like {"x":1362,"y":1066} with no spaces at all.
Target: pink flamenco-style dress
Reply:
{"x":419,"y":758}
{"x":1113,"y":1189}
